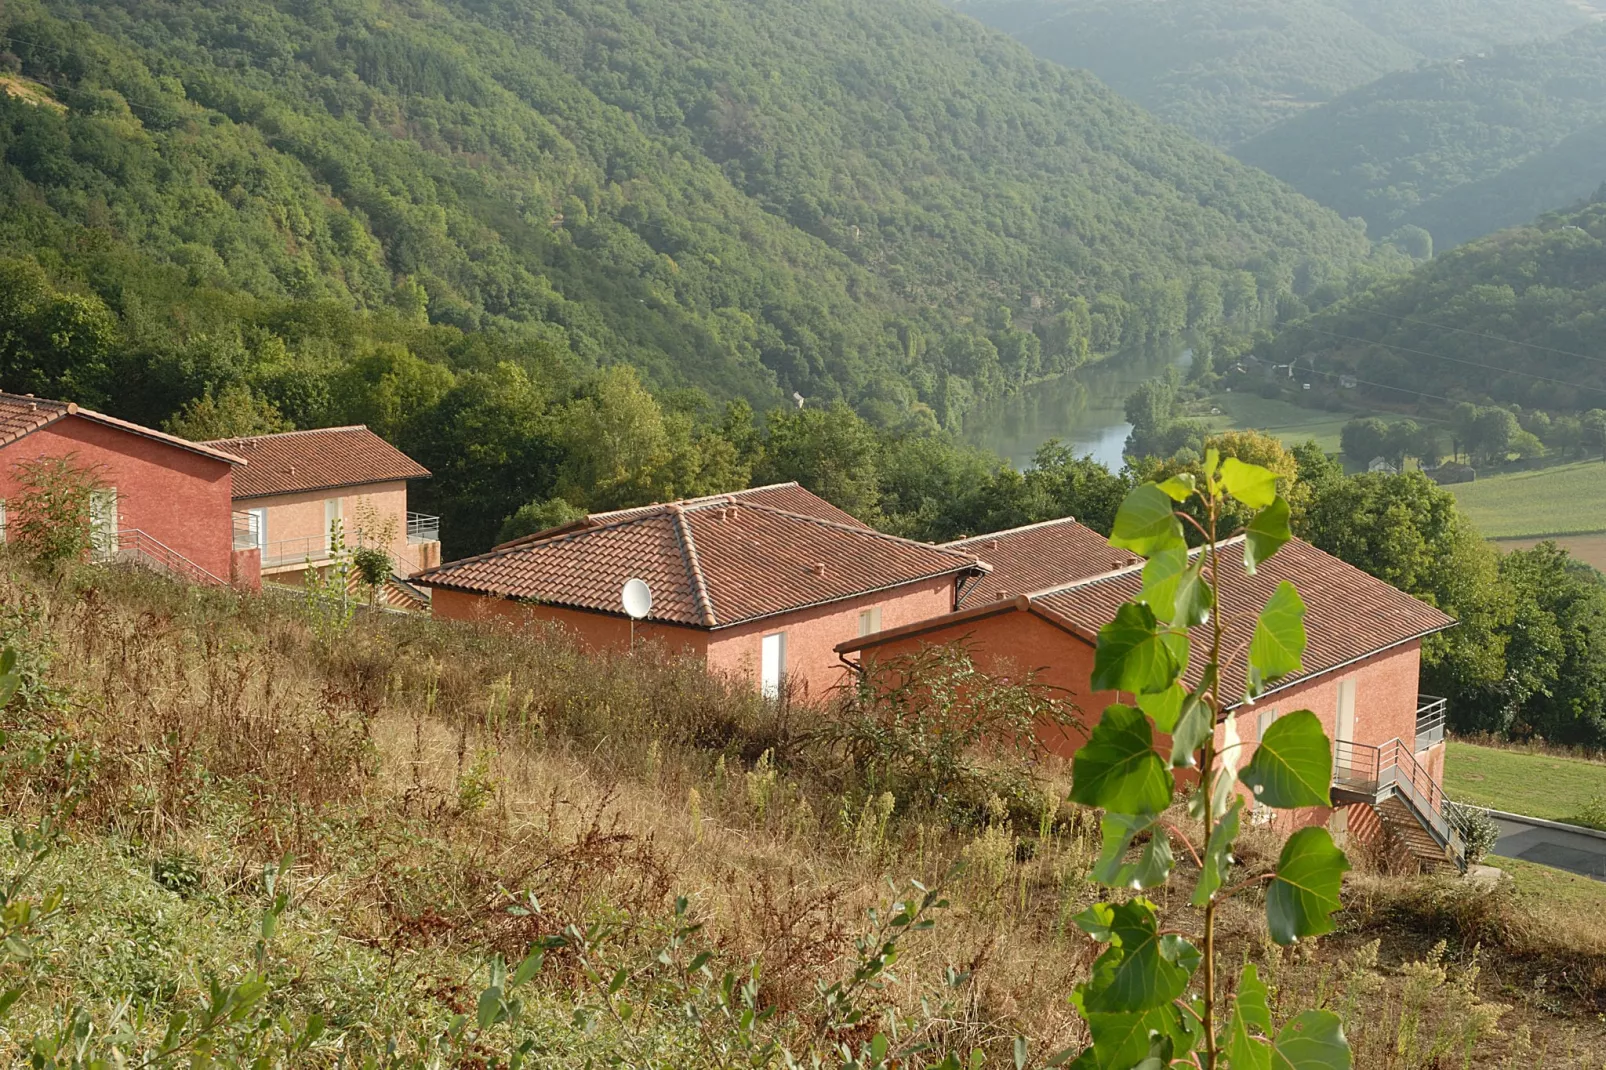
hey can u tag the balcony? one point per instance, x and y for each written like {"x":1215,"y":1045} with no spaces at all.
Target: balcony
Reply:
{"x":247,"y":535}
{"x":423,"y":528}
{"x":1430,"y":716}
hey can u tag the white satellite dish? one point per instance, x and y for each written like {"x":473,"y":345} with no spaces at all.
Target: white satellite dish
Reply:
{"x":636,"y":599}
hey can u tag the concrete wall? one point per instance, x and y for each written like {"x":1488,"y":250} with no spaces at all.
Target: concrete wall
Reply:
{"x":176,"y":496}
{"x":375,"y":509}
{"x":812,"y":666}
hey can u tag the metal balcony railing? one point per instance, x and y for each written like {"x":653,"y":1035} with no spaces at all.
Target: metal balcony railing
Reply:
{"x":423,"y":528}
{"x":1391,"y":769}
{"x":1430,"y":717}
{"x":247,"y":534}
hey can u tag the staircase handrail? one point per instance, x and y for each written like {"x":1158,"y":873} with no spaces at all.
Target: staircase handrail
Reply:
{"x":1393,"y":766}
{"x":135,"y":541}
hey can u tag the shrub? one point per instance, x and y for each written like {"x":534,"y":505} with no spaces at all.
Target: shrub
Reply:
{"x":50,"y":519}
{"x":1478,"y":831}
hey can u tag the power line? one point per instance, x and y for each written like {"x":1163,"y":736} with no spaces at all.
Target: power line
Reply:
{"x":1485,"y":335}
{"x":1454,"y":360}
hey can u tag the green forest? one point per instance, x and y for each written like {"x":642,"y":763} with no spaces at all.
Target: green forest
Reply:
{"x":1460,"y":148}
{"x":1513,"y":318}
{"x":868,"y":202}
{"x":1227,"y":70}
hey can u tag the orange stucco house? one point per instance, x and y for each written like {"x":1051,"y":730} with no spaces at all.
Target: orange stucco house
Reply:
{"x":161,"y":501}
{"x":763,"y":583}
{"x":298,"y":484}
{"x":1360,"y":678}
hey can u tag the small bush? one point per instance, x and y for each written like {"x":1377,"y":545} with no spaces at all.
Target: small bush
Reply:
{"x":1478,"y":831}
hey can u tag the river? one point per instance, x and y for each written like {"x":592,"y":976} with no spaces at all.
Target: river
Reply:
{"x":1085,"y":408}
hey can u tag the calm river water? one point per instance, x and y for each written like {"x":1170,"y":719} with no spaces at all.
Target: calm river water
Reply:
{"x":1084,"y":409}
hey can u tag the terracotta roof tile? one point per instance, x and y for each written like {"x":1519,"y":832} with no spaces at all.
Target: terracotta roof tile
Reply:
{"x":298,"y":462}
{"x":1349,"y":614}
{"x":1036,"y":557}
{"x":709,"y":564}
{"x":22,"y":415}
{"x":789,"y":497}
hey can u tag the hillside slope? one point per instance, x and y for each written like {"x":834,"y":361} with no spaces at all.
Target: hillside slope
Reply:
{"x":1227,"y":70}
{"x":752,"y":198}
{"x":1513,"y":317}
{"x":1461,"y":148}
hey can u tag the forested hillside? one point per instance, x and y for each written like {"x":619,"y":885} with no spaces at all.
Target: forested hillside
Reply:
{"x":1460,"y":148}
{"x":1513,"y":318}
{"x":838,"y":198}
{"x":1229,"y":69}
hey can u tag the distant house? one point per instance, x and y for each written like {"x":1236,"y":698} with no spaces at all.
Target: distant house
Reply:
{"x":1360,"y":677}
{"x":162,"y":501}
{"x":1383,"y":465}
{"x":1451,"y":472}
{"x":763,"y":583}
{"x":298,"y":484}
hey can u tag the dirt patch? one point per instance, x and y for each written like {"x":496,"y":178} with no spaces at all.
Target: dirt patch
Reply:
{"x":1590,"y":549}
{"x":29,"y":92}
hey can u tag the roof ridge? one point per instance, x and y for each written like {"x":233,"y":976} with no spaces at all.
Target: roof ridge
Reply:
{"x":838,"y":526}
{"x":700,"y":500}
{"x":1016,"y":530}
{"x":504,"y":551}
{"x":299,"y":431}
{"x":694,"y":567}
{"x":1124,"y":570}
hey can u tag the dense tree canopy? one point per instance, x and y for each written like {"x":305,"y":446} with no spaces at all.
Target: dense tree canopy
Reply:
{"x":1459,"y":148}
{"x":1228,"y":69}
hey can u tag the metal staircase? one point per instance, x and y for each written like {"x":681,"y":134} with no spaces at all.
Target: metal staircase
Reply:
{"x":1410,"y":804}
{"x":132,"y":546}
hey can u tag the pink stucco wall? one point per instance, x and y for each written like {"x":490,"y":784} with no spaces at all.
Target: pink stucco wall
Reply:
{"x":298,"y":522}
{"x":176,"y":496}
{"x":812,"y":666}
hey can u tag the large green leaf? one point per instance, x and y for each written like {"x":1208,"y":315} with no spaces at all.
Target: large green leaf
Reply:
{"x":1251,"y":1014}
{"x":1118,"y":768}
{"x":1267,"y":533}
{"x":1180,"y":487}
{"x":1146,"y":523}
{"x":1121,"y":1041}
{"x":1195,"y":723}
{"x":1134,"y":654}
{"x":1293,"y":765}
{"x":1312,"y":1041}
{"x":1141,"y":969}
{"x":1194,"y":598}
{"x":1301,"y":900}
{"x":1164,"y":707}
{"x":1153,"y":866}
{"x":1251,"y":484}
{"x":1160,"y":578}
{"x":1277,"y":646}
{"x":1218,"y":856}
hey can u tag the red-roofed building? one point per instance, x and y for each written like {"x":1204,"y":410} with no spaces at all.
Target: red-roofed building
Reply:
{"x":764,"y":583}
{"x":299,"y":483}
{"x":1361,"y":665}
{"x":162,"y":500}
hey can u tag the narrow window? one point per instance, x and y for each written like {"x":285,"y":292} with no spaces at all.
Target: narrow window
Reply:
{"x":772,"y":664}
{"x":259,"y":524}
{"x":1264,"y":722}
{"x":1346,"y":710}
{"x":331,"y":513}
{"x":2,"y":520}
{"x":870,"y":621}
{"x":103,"y":523}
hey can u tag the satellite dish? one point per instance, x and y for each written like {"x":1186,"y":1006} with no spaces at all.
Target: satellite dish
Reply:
{"x":637,"y":599}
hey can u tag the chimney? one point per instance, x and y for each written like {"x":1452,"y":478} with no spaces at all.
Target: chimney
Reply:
{"x":818,"y":568}
{"x":1000,"y":596}
{"x":992,"y":544}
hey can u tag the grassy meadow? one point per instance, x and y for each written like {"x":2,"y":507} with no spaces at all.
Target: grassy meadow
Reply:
{"x":1291,"y":423}
{"x":442,"y":798}
{"x":1524,"y":781}
{"x":1566,"y":499}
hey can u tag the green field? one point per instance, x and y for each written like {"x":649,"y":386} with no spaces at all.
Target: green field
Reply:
{"x":1554,"y":887}
{"x":1291,"y":423}
{"x":1538,"y":785}
{"x":1568,"y":499}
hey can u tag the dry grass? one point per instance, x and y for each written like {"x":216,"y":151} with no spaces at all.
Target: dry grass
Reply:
{"x":428,"y":777}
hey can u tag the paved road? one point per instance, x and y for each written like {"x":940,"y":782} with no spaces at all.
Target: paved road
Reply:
{"x":1551,"y":844}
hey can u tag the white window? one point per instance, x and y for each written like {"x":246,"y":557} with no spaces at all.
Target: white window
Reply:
{"x":331,"y":513}
{"x":2,"y":520}
{"x":1346,"y":710}
{"x":1263,"y":722}
{"x":772,"y":664}
{"x":870,"y":621}
{"x":259,"y":525}
{"x":103,"y":523}
{"x":1260,"y":813}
